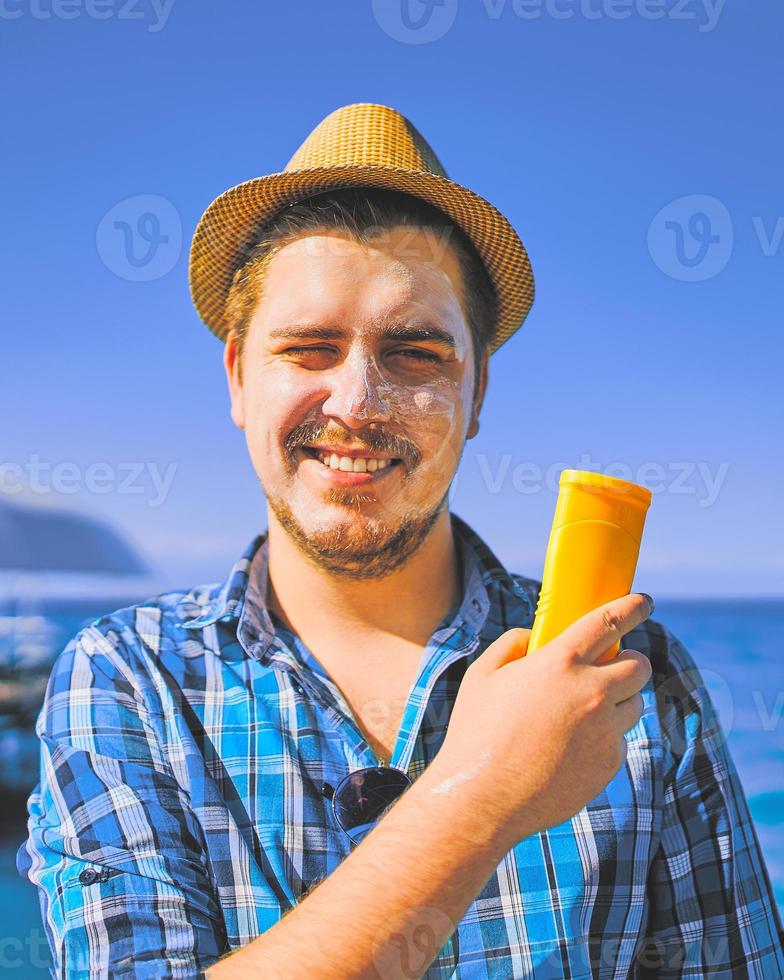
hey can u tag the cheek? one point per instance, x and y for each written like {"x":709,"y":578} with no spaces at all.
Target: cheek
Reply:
{"x":435,"y":407}
{"x":434,"y":417}
{"x":433,"y":414}
{"x":274,"y":406}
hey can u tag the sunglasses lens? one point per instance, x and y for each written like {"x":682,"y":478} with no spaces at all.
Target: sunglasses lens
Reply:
{"x":362,"y":798}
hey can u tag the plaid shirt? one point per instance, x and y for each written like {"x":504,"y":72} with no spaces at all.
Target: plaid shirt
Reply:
{"x":179,"y":814}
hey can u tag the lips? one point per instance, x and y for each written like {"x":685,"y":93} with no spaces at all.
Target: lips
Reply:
{"x":371,"y":469}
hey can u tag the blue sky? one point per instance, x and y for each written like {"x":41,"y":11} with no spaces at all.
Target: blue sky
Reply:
{"x":638,"y":157}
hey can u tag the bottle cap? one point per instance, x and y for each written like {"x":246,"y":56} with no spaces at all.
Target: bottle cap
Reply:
{"x":588,"y":480}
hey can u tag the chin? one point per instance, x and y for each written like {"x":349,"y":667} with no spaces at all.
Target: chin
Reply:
{"x":356,"y":545}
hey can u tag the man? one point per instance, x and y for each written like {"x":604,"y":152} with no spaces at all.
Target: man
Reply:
{"x":215,"y":764}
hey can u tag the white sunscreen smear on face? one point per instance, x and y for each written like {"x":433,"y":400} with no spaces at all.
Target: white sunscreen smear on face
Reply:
{"x":424,"y":400}
{"x":376,"y":395}
{"x":426,"y":408}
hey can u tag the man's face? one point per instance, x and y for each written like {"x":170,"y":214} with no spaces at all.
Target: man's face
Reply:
{"x":358,"y":356}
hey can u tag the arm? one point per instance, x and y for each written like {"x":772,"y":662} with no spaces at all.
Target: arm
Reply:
{"x":391,"y":905}
{"x":119,"y":857}
{"x":116,"y":853}
{"x":712,"y":909}
{"x":492,"y":784}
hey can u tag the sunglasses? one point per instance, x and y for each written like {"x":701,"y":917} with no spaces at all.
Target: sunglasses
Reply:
{"x":358,"y":802}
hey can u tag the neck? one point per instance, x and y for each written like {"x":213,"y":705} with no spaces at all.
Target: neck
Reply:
{"x":408,"y":603}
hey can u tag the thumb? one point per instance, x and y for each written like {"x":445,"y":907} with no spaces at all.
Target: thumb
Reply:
{"x":511,"y":645}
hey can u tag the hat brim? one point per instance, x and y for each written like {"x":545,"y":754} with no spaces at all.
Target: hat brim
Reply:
{"x":233,"y":220}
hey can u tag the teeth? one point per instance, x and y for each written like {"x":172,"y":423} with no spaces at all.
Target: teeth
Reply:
{"x":348,"y":464}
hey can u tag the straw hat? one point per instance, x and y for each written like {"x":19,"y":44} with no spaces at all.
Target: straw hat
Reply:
{"x":357,"y":145}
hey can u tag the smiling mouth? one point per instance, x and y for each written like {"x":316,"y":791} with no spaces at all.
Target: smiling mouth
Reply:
{"x":349,"y":464}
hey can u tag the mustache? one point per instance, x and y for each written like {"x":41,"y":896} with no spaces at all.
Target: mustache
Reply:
{"x":373,"y":440}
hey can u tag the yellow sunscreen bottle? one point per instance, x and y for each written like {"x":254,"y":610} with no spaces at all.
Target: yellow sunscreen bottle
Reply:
{"x":592,"y":552}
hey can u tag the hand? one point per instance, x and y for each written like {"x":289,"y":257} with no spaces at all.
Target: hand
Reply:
{"x":532,"y":739}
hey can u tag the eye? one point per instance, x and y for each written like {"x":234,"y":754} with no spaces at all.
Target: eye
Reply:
{"x":417,"y":354}
{"x":413,"y":353}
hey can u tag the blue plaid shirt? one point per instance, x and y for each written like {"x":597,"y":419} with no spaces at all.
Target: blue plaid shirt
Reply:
{"x":184,"y":743}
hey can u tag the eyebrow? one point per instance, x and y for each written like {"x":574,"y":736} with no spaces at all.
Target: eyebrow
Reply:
{"x":409,"y":332}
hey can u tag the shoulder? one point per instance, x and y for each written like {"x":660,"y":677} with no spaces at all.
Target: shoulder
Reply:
{"x":128,"y":648}
{"x":528,"y":587}
{"x":683,"y":703}
{"x":676,"y":677}
{"x":173,"y":608}
{"x":687,"y":718}
{"x":673,"y":665}
{"x":669,"y":657}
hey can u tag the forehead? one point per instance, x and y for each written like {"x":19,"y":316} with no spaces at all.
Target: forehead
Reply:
{"x":329,"y":276}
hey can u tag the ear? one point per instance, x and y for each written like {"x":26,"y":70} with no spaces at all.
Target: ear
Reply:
{"x":231,"y":363}
{"x":473,"y":427}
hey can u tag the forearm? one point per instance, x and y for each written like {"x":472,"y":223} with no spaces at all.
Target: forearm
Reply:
{"x":419,"y":869}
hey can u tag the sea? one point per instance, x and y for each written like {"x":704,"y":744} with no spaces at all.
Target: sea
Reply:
{"x":738,"y":645}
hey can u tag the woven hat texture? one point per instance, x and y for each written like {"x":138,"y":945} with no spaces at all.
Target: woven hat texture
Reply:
{"x":359,"y":145}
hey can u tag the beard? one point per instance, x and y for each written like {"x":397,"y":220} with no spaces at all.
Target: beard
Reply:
{"x":369,"y":549}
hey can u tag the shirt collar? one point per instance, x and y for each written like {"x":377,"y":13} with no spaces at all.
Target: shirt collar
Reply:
{"x":205,"y":605}
{"x":493,"y":573}
{"x":242,"y":593}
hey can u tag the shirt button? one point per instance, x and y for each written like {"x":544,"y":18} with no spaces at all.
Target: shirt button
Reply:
{"x":475,"y":604}
{"x":88,"y":876}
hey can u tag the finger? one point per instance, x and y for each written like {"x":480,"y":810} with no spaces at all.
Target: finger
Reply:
{"x":630,"y":711}
{"x":511,"y":645}
{"x":595,"y":632}
{"x":626,"y":675}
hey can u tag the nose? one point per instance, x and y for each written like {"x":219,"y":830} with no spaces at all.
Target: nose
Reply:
{"x":359,"y":395}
